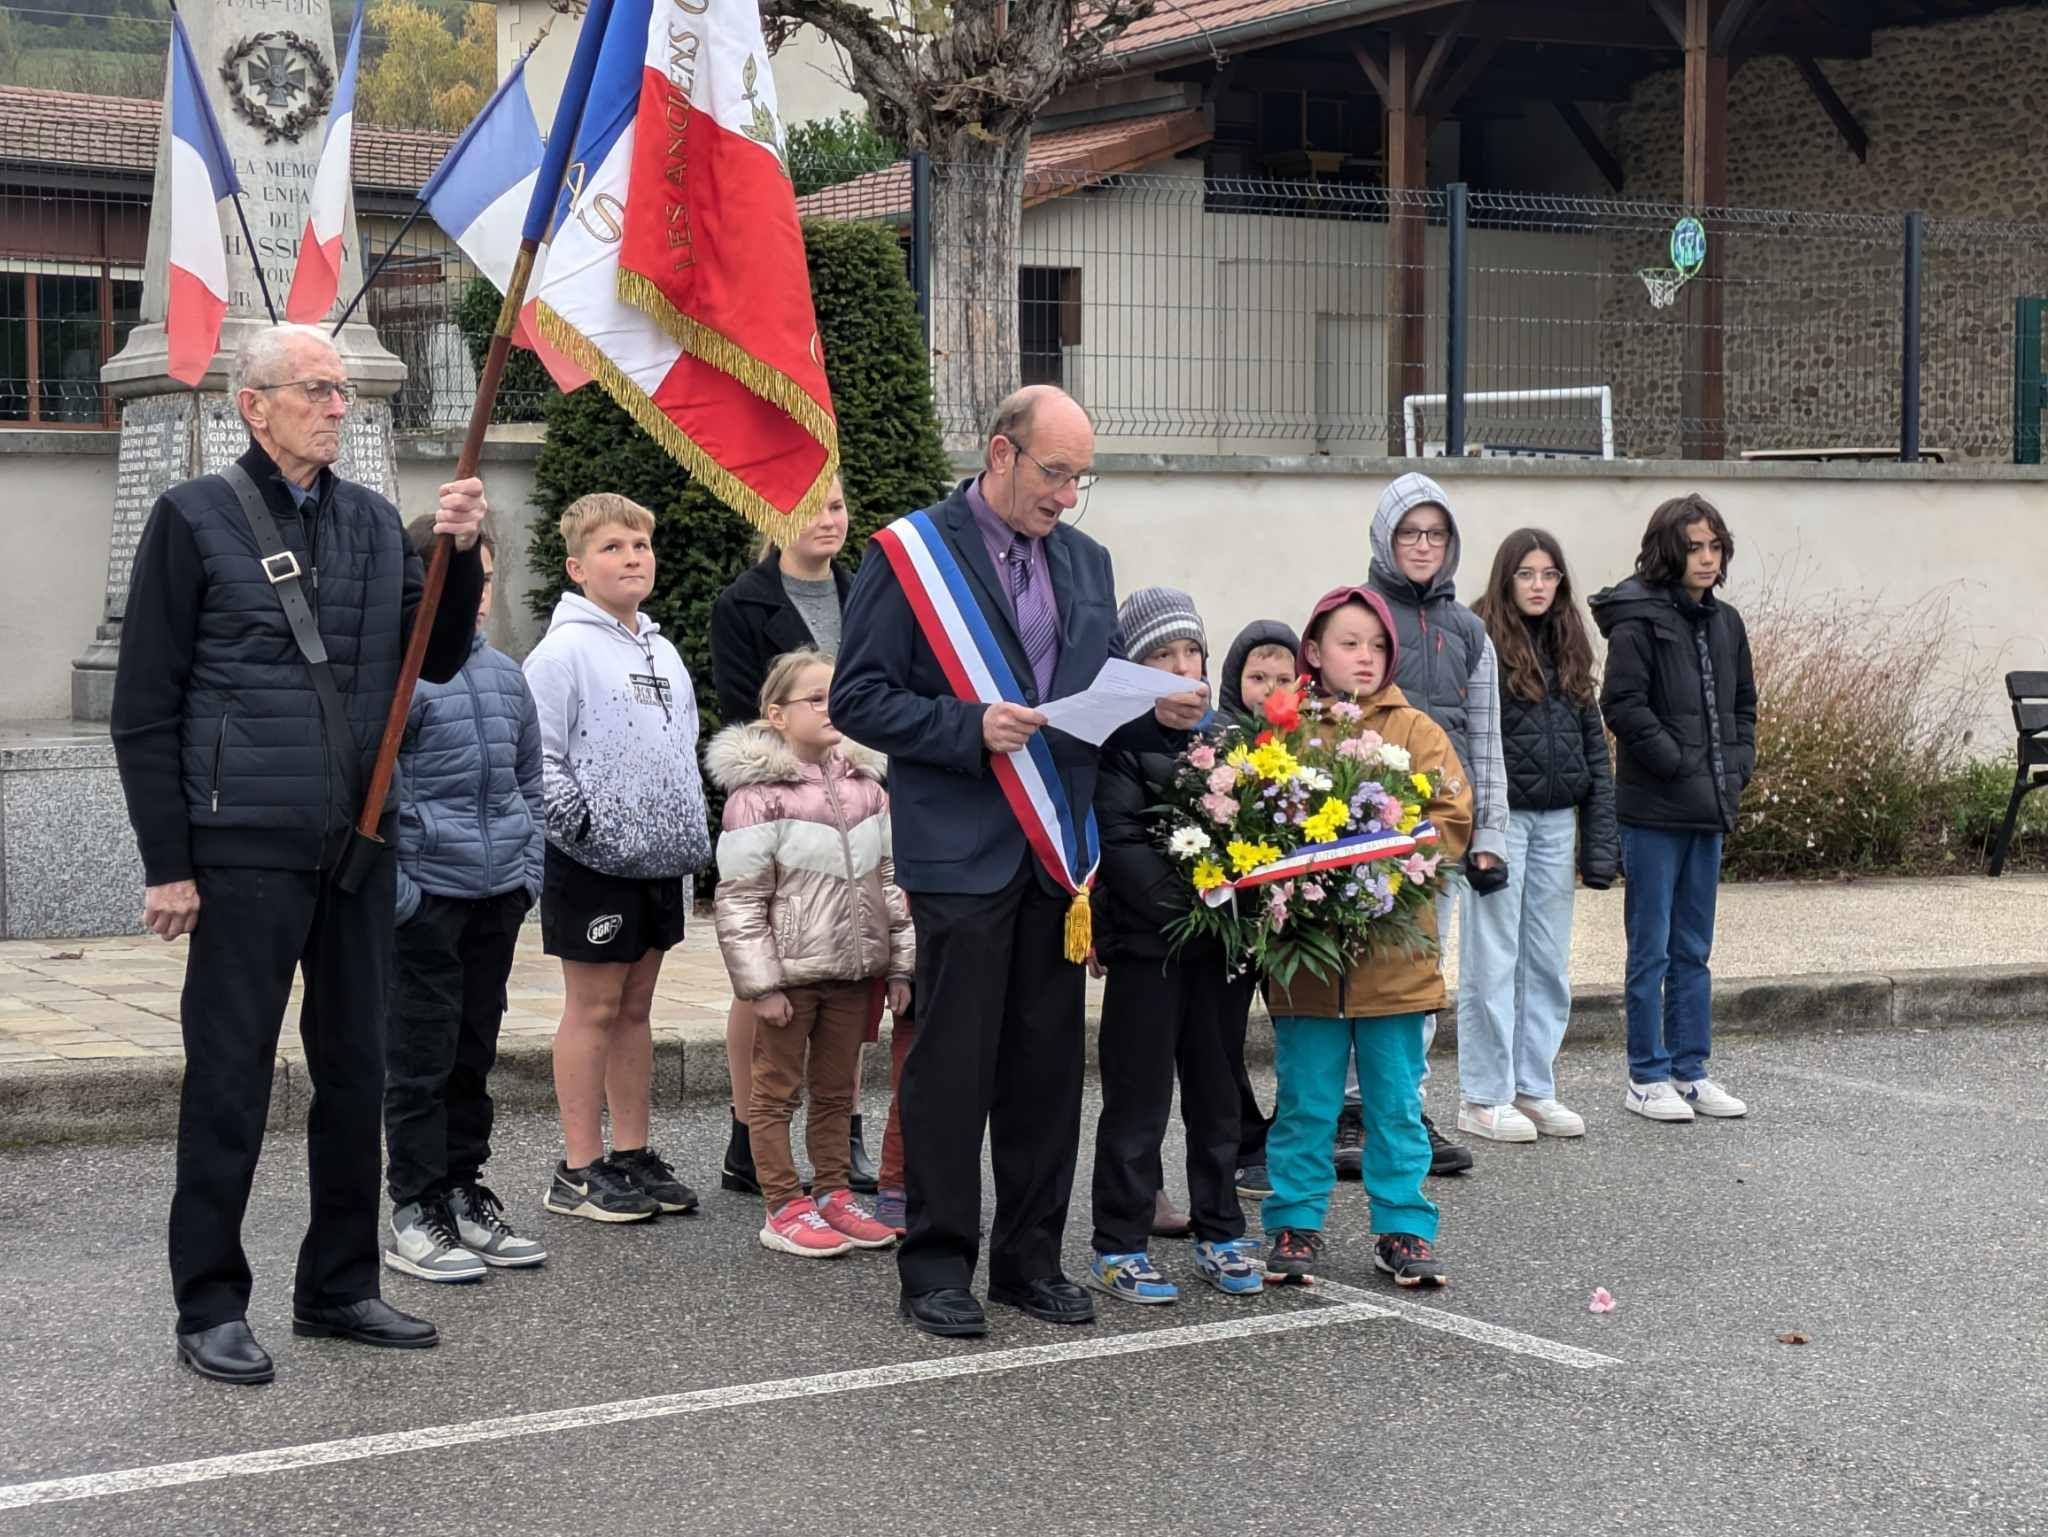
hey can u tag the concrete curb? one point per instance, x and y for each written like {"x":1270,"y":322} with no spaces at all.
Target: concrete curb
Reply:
{"x":126,"y":1098}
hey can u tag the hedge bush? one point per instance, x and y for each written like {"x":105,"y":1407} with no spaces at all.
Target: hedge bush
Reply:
{"x":523,"y":392}
{"x":890,"y":452}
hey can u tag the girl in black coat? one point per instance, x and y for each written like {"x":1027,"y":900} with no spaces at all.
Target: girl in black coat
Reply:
{"x":789,"y":600}
{"x":1514,"y":950}
{"x":1680,"y":698}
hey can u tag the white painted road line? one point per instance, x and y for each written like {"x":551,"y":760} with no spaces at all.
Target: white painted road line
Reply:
{"x":1466,"y":1328}
{"x":93,"y":1486}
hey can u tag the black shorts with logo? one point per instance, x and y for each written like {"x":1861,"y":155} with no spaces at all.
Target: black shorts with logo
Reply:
{"x":586,"y":915}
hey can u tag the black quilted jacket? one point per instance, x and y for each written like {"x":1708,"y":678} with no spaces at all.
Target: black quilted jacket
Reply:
{"x":1556,"y":754}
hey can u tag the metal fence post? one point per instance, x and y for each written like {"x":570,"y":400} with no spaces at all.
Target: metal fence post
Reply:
{"x":1909,"y":346}
{"x":921,"y":238}
{"x":1456,"y":317}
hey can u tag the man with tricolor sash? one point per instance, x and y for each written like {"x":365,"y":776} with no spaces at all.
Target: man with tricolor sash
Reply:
{"x":967,"y":617}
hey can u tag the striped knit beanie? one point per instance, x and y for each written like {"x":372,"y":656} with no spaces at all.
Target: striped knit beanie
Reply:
{"x":1153,"y":617}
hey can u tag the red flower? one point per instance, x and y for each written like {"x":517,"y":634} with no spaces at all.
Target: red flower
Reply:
{"x":1262,"y":739}
{"x":1283,"y":708}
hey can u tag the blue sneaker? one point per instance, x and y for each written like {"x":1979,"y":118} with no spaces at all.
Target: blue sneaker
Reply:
{"x":1232,"y":1267}
{"x":891,"y":1208}
{"x":1130,"y":1277}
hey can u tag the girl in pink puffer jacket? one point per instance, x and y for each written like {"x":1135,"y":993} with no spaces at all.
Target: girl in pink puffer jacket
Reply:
{"x":808,"y":916}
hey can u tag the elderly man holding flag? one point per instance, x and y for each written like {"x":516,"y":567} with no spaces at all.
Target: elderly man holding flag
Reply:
{"x":965,"y":619}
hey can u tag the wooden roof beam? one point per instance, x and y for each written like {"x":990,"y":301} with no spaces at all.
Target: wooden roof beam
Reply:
{"x":1837,"y":110}
{"x":1603,"y":158}
{"x":1440,"y":50}
{"x":1374,"y":70}
{"x":1463,"y":78}
{"x":1673,"y":19}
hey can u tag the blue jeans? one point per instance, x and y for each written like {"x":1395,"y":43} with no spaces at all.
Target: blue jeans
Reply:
{"x":1514,"y":954}
{"x":1309,"y":1057}
{"x":1444,"y":903}
{"x":1672,"y":880}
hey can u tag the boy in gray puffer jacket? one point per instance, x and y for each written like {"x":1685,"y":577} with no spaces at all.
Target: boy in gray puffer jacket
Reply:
{"x":471,"y":831}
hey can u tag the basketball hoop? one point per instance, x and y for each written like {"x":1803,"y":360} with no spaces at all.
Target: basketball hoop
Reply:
{"x":1688,"y":255}
{"x":1663,"y":283}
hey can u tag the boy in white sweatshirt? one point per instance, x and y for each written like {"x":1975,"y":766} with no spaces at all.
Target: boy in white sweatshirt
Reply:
{"x":625,"y":829}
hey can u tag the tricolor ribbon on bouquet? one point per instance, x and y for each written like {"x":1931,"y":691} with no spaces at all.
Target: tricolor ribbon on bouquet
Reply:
{"x":1323,"y":858}
{"x":976,"y":670}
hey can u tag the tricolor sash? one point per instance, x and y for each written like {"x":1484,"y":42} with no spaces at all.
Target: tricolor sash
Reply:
{"x":1321,"y":858}
{"x":977,"y":671}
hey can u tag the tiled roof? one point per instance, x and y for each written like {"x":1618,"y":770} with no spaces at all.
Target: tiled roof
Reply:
{"x":1062,"y":161}
{"x":119,"y":133}
{"x":1189,"y":19}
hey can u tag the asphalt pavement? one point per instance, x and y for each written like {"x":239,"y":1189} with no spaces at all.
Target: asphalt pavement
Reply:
{"x":1887,"y":1200}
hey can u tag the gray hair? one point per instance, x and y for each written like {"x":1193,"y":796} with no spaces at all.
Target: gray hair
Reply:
{"x":264,"y":354}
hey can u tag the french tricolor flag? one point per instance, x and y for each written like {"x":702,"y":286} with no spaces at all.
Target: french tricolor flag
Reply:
{"x":317,"y":278}
{"x":201,"y":175}
{"x":479,"y":195}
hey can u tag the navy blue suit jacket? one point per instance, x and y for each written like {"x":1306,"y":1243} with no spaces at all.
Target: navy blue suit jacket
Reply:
{"x":954,"y":831}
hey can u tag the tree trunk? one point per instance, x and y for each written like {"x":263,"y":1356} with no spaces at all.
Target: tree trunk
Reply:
{"x":977,"y":201}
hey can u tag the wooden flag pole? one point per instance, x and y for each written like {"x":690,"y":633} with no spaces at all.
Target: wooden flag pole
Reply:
{"x":355,"y":865}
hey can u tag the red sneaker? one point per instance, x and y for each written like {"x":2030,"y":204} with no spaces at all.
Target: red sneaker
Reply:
{"x":796,"y":1228}
{"x":847,"y":1218}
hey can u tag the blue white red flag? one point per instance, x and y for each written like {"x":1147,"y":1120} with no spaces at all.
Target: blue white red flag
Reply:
{"x":201,"y":174}
{"x":479,"y":195}
{"x":676,"y":272}
{"x":316,"y":280}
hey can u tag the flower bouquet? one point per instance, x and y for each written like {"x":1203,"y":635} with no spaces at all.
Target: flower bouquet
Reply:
{"x":1303,"y":838}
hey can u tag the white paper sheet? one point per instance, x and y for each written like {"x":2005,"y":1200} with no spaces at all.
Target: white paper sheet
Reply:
{"x":1121,"y":692}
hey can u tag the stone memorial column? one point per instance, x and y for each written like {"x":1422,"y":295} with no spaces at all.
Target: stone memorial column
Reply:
{"x":270,"y":69}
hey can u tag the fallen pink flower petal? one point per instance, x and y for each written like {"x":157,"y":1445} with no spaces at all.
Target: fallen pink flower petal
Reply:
{"x":1603,"y":1301}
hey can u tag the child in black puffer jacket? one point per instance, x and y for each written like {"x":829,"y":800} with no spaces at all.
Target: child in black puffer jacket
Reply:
{"x":1680,"y":698}
{"x":1514,"y":951}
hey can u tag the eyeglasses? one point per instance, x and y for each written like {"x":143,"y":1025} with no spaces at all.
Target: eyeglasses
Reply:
{"x":1435,"y":538}
{"x":816,"y":701}
{"x":1082,"y":481}
{"x":318,"y":391}
{"x":1532,"y":578}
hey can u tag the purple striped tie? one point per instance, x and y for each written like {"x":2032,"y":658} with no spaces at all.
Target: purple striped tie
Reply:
{"x":1034,"y":615}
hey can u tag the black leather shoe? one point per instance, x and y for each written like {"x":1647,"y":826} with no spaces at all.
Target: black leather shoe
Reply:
{"x":373,"y":1321}
{"x":737,"y":1173}
{"x":950,"y":1312}
{"x":227,"y":1353}
{"x":862,"y":1177}
{"x":1051,"y":1299}
{"x":1445,"y":1156}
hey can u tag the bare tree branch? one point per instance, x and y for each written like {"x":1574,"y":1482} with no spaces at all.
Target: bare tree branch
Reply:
{"x":882,"y":70}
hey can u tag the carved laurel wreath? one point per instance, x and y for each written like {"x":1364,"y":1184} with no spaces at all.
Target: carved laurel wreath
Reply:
{"x":319,"y":89}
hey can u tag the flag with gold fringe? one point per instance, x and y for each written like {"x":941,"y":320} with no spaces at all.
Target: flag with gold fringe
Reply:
{"x":676,"y":275}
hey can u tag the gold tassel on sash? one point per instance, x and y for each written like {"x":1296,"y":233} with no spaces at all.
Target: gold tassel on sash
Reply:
{"x":1080,"y":928}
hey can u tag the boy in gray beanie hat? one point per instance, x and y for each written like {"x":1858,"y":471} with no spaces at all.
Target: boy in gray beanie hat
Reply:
{"x":1154,"y":618}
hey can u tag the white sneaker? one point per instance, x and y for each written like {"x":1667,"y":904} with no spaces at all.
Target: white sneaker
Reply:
{"x":1496,"y":1123}
{"x":1656,"y":1102}
{"x":480,"y":1224}
{"x":1551,"y":1118}
{"x":424,"y":1244}
{"x":1708,"y":1098}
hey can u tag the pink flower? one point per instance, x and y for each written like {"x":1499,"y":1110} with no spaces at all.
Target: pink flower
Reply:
{"x":1420,"y":869}
{"x":1344,"y":709}
{"x":1222,"y":779}
{"x":1370,"y":741}
{"x":1222,"y":809}
{"x":1276,"y":905}
{"x":1602,"y":1301}
{"x":1353,"y":747}
{"x":1311,"y":891}
{"x":1202,"y":756}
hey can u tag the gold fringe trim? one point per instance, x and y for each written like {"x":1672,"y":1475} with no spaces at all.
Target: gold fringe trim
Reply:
{"x":780,"y":526}
{"x":1080,"y":928}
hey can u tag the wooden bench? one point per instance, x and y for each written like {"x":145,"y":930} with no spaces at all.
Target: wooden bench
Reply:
{"x":2029,"y":694}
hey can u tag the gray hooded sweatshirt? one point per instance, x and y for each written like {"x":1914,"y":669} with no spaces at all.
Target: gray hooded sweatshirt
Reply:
{"x":618,"y":741}
{"x":1447,"y":666}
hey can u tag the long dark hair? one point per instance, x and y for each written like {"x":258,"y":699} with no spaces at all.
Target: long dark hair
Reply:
{"x":1562,"y":632}
{"x":1662,"y":558}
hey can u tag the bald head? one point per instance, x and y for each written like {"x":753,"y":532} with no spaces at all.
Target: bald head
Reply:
{"x":1040,"y":444}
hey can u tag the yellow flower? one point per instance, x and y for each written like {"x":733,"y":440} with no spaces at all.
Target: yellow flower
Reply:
{"x":1422,"y":784}
{"x":1328,"y":820}
{"x":1208,"y":875}
{"x":1394,"y":884}
{"x":1246,"y":857}
{"x":1274,"y":762}
{"x":1239,"y":757}
{"x":1410,"y":815}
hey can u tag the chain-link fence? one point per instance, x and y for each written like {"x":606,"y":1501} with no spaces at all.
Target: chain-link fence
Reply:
{"x":1195,"y":313}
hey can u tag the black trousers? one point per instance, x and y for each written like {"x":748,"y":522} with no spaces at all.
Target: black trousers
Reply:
{"x":1157,"y":1018}
{"x":999,"y":1043}
{"x":454,"y":955}
{"x":1252,"y":1122}
{"x":256,"y":928}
